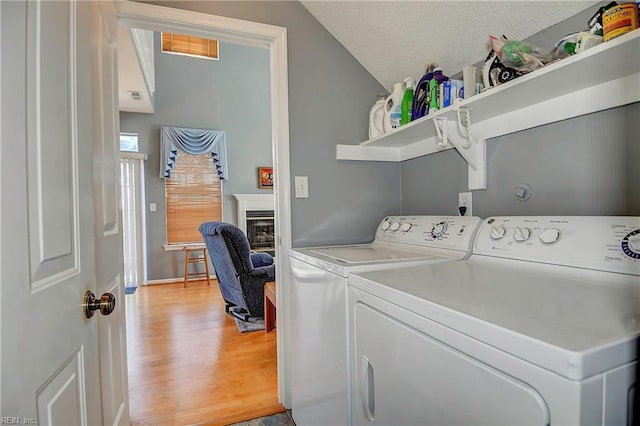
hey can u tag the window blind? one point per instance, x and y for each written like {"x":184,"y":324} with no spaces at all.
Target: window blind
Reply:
{"x":193,"y":195}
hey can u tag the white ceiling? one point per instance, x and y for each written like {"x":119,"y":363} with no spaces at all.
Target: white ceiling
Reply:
{"x":397,"y":39}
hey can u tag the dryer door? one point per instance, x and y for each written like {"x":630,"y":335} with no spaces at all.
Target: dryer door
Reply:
{"x":404,"y":377}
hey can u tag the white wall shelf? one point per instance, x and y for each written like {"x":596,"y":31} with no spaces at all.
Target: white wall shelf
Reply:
{"x":603,"y":77}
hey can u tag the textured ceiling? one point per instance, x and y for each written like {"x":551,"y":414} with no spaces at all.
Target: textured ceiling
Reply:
{"x":396,"y":39}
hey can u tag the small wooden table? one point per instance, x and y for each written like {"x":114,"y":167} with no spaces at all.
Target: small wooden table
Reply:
{"x":197,"y":259}
{"x":269,"y":306}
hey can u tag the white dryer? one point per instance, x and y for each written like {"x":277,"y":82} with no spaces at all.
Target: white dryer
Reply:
{"x":538,"y":327}
{"x":319,"y":333}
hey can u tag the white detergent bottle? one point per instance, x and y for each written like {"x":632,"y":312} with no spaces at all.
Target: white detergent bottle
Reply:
{"x":376,"y":119}
{"x":393,"y":108}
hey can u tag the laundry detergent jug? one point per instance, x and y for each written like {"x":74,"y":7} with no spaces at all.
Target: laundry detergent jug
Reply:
{"x":376,"y":119}
{"x":393,"y":108}
{"x":421,"y":94}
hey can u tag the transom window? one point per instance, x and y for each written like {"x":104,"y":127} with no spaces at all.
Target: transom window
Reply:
{"x":129,"y":142}
{"x":182,"y":44}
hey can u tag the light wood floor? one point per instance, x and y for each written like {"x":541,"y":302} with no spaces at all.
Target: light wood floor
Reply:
{"x":189,"y":364}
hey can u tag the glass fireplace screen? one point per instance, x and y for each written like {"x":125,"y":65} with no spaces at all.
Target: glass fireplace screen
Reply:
{"x":261,"y":231}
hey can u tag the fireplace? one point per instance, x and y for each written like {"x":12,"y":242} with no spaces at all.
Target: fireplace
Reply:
{"x":256,"y":219}
{"x":261,"y":231}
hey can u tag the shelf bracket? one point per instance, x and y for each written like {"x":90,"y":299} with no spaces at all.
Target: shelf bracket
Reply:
{"x":472,"y":150}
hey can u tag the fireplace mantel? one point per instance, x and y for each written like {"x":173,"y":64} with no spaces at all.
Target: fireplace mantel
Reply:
{"x":248,"y":202}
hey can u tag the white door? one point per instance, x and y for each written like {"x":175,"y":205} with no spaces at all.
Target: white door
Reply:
{"x":50,"y":362}
{"x":108,"y":217}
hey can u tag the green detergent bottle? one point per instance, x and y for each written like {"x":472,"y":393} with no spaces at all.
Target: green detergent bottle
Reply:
{"x":407,"y":101}
{"x":434,"y":86}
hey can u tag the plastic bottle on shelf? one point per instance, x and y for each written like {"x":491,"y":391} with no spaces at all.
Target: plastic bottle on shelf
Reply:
{"x":434,"y":89}
{"x":393,"y":108}
{"x":421,"y":94}
{"x":376,"y":119}
{"x":407,"y":101}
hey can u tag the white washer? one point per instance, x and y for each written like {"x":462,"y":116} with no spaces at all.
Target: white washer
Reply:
{"x":319,"y":333}
{"x":539,"y":326}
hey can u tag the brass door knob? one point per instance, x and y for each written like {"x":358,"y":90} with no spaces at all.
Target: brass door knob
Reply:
{"x":106,"y":304}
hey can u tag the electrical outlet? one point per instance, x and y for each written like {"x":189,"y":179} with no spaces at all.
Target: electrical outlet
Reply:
{"x":465,"y":200}
{"x":152,"y":207}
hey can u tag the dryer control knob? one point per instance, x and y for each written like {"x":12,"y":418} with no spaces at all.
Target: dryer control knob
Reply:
{"x":497,"y":232}
{"x":521,"y":234}
{"x":405,"y":227}
{"x":634,"y":242}
{"x":550,"y":236}
{"x":395,"y":226}
{"x":385,"y":225}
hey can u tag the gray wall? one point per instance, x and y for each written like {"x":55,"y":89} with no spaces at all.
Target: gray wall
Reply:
{"x":583,"y":166}
{"x":330,"y":95}
{"x":231,"y":94}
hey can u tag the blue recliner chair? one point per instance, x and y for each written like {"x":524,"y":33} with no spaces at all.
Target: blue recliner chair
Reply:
{"x":241,"y":274}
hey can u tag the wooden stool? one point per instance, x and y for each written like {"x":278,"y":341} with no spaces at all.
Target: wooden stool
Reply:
{"x":269,"y":306}
{"x":197,"y":259}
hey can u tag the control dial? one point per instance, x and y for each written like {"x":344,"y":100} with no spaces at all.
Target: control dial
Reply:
{"x":521,"y":234}
{"x":385,"y":225}
{"x":395,"y":226}
{"x":631,"y":244}
{"x":438,"y":229}
{"x":550,"y":236}
{"x":497,"y":232}
{"x":405,"y":227}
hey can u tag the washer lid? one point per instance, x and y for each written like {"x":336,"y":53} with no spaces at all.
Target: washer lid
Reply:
{"x":370,"y":253}
{"x":571,"y":321}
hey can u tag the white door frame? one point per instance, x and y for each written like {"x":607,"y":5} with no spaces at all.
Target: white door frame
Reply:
{"x":274,"y":38}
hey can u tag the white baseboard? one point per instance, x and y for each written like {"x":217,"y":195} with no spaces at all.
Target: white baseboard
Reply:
{"x":175,"y":280}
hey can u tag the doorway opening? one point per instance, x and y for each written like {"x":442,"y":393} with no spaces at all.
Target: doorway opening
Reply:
{"x":157,"y":18}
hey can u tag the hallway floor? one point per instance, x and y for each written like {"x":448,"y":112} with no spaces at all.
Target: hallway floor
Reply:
{"x":189,"y":364}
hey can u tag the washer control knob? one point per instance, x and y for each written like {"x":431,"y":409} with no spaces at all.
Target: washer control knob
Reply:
{"x":550,"y":236}
{"x":395,"y":226}
{"x":497,"y":232}
{"x":438,"y":229}
{"x":634,"y":242}
{"x":521,"y":234}
{"x":385,"y":225}
{"x":405,"y":227}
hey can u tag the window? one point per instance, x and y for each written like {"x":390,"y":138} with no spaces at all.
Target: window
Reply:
{"x":129,"y":142}
{"x":193,"y":195}
{"x":181,"y":44}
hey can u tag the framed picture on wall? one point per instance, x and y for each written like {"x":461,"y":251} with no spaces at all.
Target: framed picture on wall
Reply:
{"x":265,"y":177}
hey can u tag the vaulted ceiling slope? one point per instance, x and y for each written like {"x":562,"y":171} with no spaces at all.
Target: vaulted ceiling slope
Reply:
{"x":396,"y":39}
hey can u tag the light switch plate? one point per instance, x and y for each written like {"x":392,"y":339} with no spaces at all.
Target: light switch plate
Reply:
{"x":152,"y":207}
{"x":302,"y":186}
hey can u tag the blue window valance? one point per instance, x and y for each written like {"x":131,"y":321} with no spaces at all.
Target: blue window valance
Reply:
{"x":192,"y":141}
